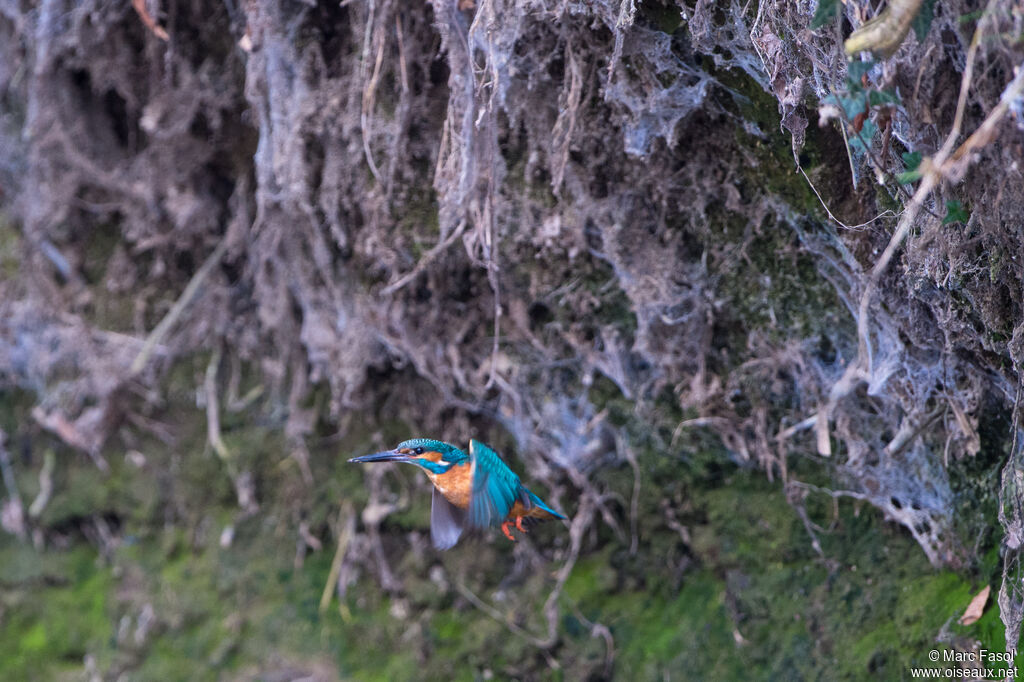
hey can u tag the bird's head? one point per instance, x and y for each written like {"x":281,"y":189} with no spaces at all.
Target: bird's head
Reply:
{"x":434,"y":456}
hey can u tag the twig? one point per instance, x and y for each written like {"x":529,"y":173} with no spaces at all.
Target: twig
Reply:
{"x":45,"y":485}
{"x":498,"y":616}
{"x":831,"y":493}
{"x":492,"y":277}
{"x":161,"y":330}
{"x":945,"y":163}
{"x":602,"y":630}
{"x":634,"y":506}
{"x":935,"y":170}
{"x":213,"y":408}
{"x":920,"y":72}
{"x":148,"y":20}
{"x":795,"y":428}
{"x":15,"y":524}
{"x":876,"y":163}
{"x":402,"y":110}
{"x":698,"y":421}
{"x":244,"y":488}
{"x":849,"y":154}
{"x":810,"y":527}
{"x":565,"y":125}
{"x":370,"y":90}
{"x":580,"y":522}
{"x":836,"y":220}
{"x":426,"y":260}
{"x":69,"y":432}
{"x":344,"y":538}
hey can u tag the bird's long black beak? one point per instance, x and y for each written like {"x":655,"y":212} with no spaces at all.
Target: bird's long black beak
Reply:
{"x":386,"y":456}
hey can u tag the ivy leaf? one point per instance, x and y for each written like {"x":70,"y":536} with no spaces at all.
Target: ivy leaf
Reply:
{"x":877,"y":97}
{"x":826,"y":10}
{"x":909,"y":177}
{"x":854,"y":105}
{"x":955,"y":213}
{"x":923,"y":21}
{"x":912,"y":160}
{"x":851,"y":105}
{"x":859,"y":142}
{"x":855,"y":72}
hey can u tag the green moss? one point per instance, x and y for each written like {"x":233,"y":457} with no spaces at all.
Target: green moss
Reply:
{"x":10,"y":249}
{"x":662,"y":17}
{"x":54,"y":610}
{"x":743,"y":596}
{"x":871,"y":608}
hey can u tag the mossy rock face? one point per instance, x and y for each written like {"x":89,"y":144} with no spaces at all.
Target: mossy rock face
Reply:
{"x":738,"y":592}
{"x":56,"y":608}
{"x":385,"y":219}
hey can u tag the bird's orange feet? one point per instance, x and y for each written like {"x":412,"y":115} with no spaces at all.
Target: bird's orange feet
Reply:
{"x":519,"y":524}
{"x":506,"y":531}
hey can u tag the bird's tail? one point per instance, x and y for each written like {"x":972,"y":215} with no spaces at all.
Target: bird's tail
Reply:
{"x":537,"y":502}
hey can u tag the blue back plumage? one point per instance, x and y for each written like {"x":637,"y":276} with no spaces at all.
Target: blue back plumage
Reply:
{"x":495,"y":487}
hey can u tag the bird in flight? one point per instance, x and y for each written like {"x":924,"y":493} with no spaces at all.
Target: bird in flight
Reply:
{"x":477,"y":490}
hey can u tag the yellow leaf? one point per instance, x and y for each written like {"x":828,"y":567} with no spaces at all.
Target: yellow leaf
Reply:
{"x":976,"y":607}
{"x":884,"y":34}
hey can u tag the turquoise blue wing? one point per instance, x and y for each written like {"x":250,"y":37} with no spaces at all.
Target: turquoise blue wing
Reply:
{"x":495,"y":487}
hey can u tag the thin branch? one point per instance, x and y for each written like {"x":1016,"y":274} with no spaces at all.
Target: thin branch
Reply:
{"x":348,"y":527}
{"x":160,"y":331}
{"x":369,"y":93}
{"x":836,"y":220}
{"x":945,"y":164}
{"x":425,"y":261}
{"x":213,"y":408}
{"x":45,"y":485}
{"x":149,"y":21}
{"x":499,"y":616}
{"x":14,"y":521}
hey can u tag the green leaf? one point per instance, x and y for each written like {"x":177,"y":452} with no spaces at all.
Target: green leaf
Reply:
{"x":826,"y":10}
{"x":970,"y":16}
{"x":855,"y":71}
{"x":909,"y":177}
{"x":853,"y":105}
{"x":923,"y":20}
{"x":912,"y":160}
{"x":955,"y":213}
{"x":859,"y":142}
{"x":877,"y":97}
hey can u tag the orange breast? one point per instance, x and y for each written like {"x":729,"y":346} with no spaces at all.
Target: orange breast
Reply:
{"x":456,"y":484}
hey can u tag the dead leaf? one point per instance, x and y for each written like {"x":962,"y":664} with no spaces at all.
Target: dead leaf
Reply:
{"x":976,"y":607}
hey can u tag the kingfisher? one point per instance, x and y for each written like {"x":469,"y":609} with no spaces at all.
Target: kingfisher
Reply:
{"x":477,"y":490}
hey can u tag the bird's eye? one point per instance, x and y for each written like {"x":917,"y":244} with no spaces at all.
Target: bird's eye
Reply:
{"x":418,"y":451}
